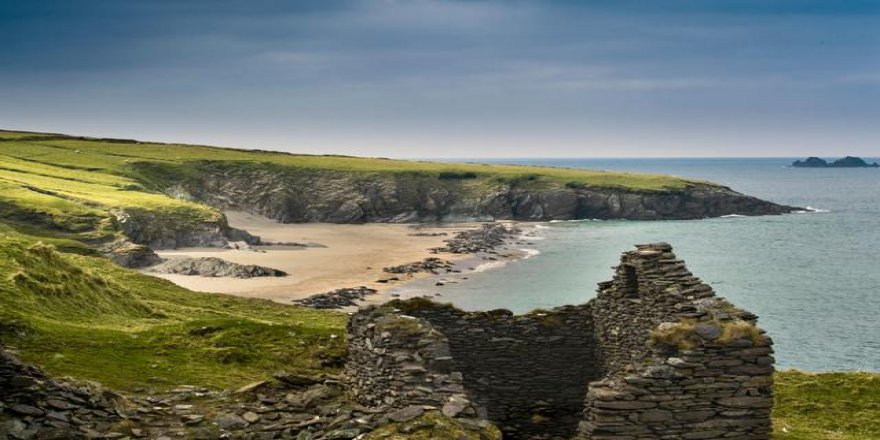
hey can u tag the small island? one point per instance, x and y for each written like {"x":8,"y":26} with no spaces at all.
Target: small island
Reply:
{"x":846,"y":162}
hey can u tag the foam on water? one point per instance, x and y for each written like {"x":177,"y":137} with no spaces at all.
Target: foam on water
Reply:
{"x":483,"y":267}
{"x":529,"y":253}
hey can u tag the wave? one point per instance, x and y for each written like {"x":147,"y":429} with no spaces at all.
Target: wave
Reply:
{"x":529,"y":253}
{"x":489,"y":266}
{"x":811,"y":210}
{"x":541,"y":227}
{"x":733,"y":216}
{"x":580,"y":220}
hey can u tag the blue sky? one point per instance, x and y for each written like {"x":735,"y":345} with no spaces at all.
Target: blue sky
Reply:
{"x":419,"y":78}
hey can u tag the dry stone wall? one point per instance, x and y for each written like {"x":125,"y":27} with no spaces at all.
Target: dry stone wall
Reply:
{"x":36,"y":406}
{"x":654,"y":356}
{"x":519,"y":369}
{"x":680,"y":362}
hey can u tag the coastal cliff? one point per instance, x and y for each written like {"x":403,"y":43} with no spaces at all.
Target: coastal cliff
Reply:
{"x":297,"y":196}
{"x":114,"y":191}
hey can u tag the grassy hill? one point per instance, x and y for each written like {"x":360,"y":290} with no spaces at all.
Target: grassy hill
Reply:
{"x":78,"y":314}
{"x":70,"y":187}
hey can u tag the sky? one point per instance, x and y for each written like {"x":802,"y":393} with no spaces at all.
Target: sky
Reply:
{"x":452,"y":78}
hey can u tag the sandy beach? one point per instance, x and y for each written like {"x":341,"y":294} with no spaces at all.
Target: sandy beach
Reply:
{"x":354,"y":255}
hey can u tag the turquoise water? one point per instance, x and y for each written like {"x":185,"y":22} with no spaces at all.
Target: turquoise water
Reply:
{"x":814,"y":279}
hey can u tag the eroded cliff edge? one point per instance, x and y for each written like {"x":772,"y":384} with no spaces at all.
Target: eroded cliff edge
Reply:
{"x":293,"y":195}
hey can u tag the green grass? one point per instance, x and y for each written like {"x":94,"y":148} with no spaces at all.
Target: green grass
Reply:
{"x":117,"y":157}
{"x":827,"y":406}
{"x":83,"y":316}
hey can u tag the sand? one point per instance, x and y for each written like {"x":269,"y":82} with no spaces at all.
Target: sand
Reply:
{"x":354,"y":256}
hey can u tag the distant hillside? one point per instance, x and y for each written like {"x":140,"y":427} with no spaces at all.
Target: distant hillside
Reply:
{"x":165,"y":195}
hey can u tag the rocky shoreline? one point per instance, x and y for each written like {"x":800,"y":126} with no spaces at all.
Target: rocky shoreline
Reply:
{"x":337,"y":299}
{"x":482,"y":243}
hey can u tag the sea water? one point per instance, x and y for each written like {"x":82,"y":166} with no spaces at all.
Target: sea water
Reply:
{"x":813,"y":279}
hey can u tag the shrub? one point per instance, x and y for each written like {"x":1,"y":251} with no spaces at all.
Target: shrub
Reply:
{"x":453,"y":175}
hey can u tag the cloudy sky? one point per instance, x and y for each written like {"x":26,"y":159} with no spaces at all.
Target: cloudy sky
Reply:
{"x":452,"y":78}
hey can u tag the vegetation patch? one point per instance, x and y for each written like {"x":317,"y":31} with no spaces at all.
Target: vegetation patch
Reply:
{"x":683,"y":335}
{"x":85,"y":317}
{"x":840,"y":406}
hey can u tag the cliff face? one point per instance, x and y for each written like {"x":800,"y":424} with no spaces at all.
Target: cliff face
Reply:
{"x":295,"y":196}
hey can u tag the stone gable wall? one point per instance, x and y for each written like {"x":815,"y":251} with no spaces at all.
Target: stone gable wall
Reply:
{"x":654,"y":355}
{"x":680,"y":362}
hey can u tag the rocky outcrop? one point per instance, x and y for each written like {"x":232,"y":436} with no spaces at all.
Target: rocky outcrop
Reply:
{"x":846,"y":162}
{"x":484,"y":239}
{"x":213,"y":267}
{"x":337,"y":299}
{"x":130,"y":255}
{"x":171,"y":230}
{"x":655,"y":355}
{"x":291,"y":195}
{"x":432,"y":265}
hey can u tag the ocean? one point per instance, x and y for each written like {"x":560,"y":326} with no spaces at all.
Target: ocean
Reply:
{"x":813,"y":279}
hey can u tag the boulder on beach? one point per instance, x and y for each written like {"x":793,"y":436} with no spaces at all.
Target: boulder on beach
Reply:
{"x":214,"y":267}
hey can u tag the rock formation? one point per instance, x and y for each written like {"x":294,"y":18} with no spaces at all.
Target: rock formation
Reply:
{"x":160,"y":230}
{"x":655,"y":355}
{"x":213,"y":267}
{"x":846,"y":162}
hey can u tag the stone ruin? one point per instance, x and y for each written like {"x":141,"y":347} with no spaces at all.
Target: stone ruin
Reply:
{"x":656,"y":355}
{"x":34,"y":405}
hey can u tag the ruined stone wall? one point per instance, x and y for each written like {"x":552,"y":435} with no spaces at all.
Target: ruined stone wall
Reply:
{"x":654,"y":355}
{"x":397,"y":360}
{"x":680,"y":362}
{"x":520,"y":369}
{"x":33,"y":405}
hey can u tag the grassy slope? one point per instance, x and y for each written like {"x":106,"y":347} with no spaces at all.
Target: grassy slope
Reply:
{"x":69,"y":186}
{"x":839,"y":406}
{"x":113,"y":157}
{"x":83,"y":316}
